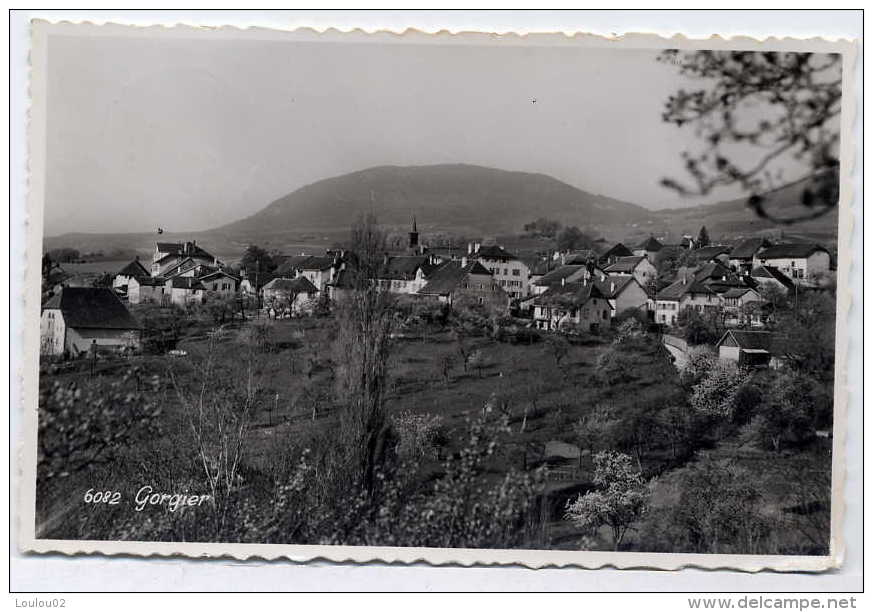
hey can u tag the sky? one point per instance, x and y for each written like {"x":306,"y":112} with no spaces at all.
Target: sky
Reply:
{"x":189,"y":135}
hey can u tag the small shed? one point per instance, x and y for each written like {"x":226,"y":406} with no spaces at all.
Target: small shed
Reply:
{"x":748,"y":349}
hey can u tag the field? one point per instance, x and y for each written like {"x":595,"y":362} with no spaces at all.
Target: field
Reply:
{"x":561,"y":406}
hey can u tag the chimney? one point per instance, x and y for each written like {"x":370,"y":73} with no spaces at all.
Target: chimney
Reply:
{"x":612,"y":287}
{"x":563,"y":259}
{"x":476,"y":247}
{"x":385,"y":259}
{"x":469,"y":248}
{"x":464,"y":261}
{"x":563,"y":280}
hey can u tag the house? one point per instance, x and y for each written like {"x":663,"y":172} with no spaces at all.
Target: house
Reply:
{"x":740,"y":306}
{"x":404,"y":273}
{"x":319,"y":270}
{"x":220,"y":282}
{"x":770,"y":277}
{"x":624,"y":293}
{"x":749,"y":348}
{"x":637,"y":266}
{"x":684,"y":293}
{"x":574,"y":305}
{"x":79,"y":318}
{"x":169,"y":255}
{"x":572,"y":273}
{"x":184,"y":290}
{"x":294,"y":295}
{"x":189,"y":267}
{"x":741,"y":257}
{"x":612,"y":255}
{"x":148,"y":290}
{"x":132,"y":270}
{"x":804,"y":263}
{"x":465,"y":283}
{"x":510,"y":272}
{"x":716,"y":253}
{"x":649,"y":248}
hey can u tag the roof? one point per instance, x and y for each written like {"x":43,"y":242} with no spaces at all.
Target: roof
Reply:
{"x":218,"y":273}
{"x":134,"y":268}
{"x":556,"y":276}
{"x":569,"y":294}
{"x":185,"y":282}
{"x":314,"y":262}
{"x":746,"y":249}
{"x":615,"y":284}
{"x":772,"y":273}
{"x":713,"y":270}
{"x":93,"y":308}
{"x":580,"y":257}
{"x":797,"y":249}
{"x":708,"y":252}
{"x":675,"y":291}
{"x":151,"y":281}
{"x":494,"y":251}
{"x":404,"y":267}
{"x":449,"y":275}
{"x":619,"y":250}
{"x":301,"y":284}
{"x":752,"y":340}
{"x":626,"y":264}
{"x":736,"y":292}
{"x":651,"y":244}
{"x":179,"y":248}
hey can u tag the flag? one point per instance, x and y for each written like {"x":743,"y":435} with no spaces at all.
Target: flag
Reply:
{"x":160,"y":230}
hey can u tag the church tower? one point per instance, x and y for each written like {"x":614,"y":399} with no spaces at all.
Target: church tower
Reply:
{"x":413,"y":236}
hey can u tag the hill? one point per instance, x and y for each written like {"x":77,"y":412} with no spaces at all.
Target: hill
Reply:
{"x":735,"y":217}
{"x":447,"y":197}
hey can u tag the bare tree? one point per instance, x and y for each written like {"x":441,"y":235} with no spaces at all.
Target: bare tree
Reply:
{"x":797,"y":99}
{"x":362,"y":349}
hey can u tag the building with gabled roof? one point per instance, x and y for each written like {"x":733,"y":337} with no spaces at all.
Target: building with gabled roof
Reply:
{"x":290,"y":295}
{"x":803,"y":263}
{"x":768,"y":276}
{"x":220,"y":282}
{"x":404,"y":273}
{"x":79,"y":319}
{"x":637,"y":266}
{"x":749,"y":349}
{"x":684,"y":293}
{"x":170,"y":255}
{"x":612,"y":255}
{"x":510,"y":272}
{"x":570,"y":273}
{"x":624,"y":293}
{"x":148,"y":290}
{"x":134,"y":269}
{"x":579,"y":305}
{"x":649,"y":247}
{"x":184,"y":290}
{"x":742,"y":255}
{"x":465,"y":283}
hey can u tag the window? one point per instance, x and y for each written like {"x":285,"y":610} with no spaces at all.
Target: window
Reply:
{"x":516,"y":272}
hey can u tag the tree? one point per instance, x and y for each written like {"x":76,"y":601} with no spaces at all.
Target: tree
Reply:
{"x":572,"y":238}
{"x":546,"y":228}
{"x":623,"y":498}
{"x":361,"y":352}
{"x":258,"y":264}
{"x":558,"y":347}
{"x":85,"y":424}
{"x":785,"y":105}
{"x":702,"y":237}
{"x":64,"y":255}
{"x":716,"y":393}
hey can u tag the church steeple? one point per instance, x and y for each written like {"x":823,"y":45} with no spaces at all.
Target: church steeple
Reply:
{"x":413,"y":235}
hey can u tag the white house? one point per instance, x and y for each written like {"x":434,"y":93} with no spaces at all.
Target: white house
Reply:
{"x":684,"y":293}
{"x":78,"y":319}
{"x":169,"y":255}
{"x":510,"y":273}
{"x":624,"y":293}
{"x":290,"y":294}
{"x":132,"y":270}
{"x":405,"y":274}
{"x":803,"y":263}
{"x":637,"y":266}
{"x":579,"y":305}
{"x":184,"y":290}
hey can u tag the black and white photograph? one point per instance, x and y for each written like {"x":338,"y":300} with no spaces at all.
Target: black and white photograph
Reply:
{"x":514,"y":296}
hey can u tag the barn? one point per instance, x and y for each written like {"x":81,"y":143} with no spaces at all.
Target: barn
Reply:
{"x":78,"y":318}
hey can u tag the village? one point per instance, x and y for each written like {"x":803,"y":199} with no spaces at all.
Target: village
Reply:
{"x":573,"y":291}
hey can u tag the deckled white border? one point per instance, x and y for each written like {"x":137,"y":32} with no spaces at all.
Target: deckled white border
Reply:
{"x":465,"y":557}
